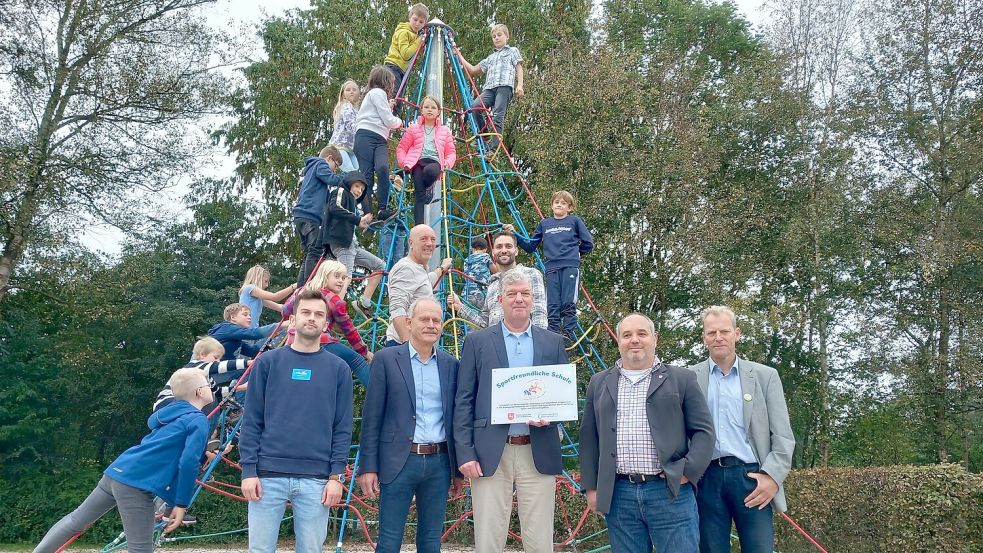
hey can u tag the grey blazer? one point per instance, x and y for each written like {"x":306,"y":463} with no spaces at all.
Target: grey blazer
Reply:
{"x":765,"y":419}
{"x":678,"y":418}
{"x":475,"y":438}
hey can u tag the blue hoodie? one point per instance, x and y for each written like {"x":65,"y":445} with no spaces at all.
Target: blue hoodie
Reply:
{"x":231,"y":336}
{"x":166,"y":462}
{"x":314,"y":189}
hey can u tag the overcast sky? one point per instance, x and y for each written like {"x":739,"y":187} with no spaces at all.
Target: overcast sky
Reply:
{"x":245,"y":15}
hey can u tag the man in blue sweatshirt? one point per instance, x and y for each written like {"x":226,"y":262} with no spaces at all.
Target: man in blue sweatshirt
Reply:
{"x":235,"y":333}
{"x":318,"y":175}
{"x":565,"y":238}
{"x":164,"y":464}
{"x":296,"y":432}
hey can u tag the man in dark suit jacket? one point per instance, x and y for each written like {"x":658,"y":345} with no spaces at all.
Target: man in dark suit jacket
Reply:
{"x":500,"y":456}
{"x":645,"y":439}
{"x":407,"y":443}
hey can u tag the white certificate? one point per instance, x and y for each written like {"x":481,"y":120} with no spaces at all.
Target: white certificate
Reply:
{"x":523,"y":394}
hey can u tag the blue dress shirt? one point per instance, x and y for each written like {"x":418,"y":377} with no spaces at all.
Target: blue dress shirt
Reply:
{"x":519,"y":349}
{"x":726,"y":401}
{"x":429,"y":403}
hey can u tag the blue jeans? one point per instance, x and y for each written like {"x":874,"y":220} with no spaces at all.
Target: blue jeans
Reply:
{"x":392,"y":242}
{"x":310,"y":517}
{"x":348,"y":160}
{"x":428,"y":477}
{"x":497,"y":101}
{"x":721,"y":499}
{"x":645,"y":515}
{"x":358,"y":364}
{"x":561,"y":299}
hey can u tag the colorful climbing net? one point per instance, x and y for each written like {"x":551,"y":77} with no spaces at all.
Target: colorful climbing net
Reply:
{"x":485,"y":190}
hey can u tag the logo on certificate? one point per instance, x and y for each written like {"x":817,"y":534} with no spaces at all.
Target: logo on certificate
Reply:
{"x":511,"y":416}
{"x":534,"y":389}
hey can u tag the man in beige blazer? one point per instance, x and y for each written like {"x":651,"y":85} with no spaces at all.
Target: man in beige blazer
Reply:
{"x":752,"y":452}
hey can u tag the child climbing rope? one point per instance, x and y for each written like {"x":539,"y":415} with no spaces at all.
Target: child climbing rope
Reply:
{"x":503,"y":80}
{"x":426,"y":149}
{"x":372,"y":127}
{"x":344,"y":114}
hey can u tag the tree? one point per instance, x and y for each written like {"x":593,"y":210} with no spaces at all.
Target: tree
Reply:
{"x":100,"y":98}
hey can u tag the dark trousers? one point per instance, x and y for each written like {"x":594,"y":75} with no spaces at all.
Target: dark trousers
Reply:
{"x":428,"y":477}
{"x":373,"y":159}
{"x":310,"y":241}
{"x":398,"y":73}
{"x":426,"y":172}
{"x":497,"y":101}
{"x":561,"y":299}
{"x":721,"y":500}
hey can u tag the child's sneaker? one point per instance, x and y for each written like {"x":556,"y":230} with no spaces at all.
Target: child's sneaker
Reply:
{"x":188,"y":520}
{"x":363,"y":306}
{"x":385,"y":215}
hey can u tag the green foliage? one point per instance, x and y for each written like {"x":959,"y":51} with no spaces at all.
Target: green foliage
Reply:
{"x":899,"y":508}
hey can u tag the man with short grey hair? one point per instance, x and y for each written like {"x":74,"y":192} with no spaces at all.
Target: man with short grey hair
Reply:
{"x":752,"y":452}
{"x":645,"y":440}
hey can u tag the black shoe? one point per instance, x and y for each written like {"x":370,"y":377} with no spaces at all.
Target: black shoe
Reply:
{"x":384,"y":215}
{"x":188,"y":520}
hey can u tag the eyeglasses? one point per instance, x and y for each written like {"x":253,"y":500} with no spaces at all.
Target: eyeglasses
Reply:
{"x":209,"y":386}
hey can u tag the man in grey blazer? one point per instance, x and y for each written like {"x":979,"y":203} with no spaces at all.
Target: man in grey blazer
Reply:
{"x":407,"y":443}
{"x":752,"y":453}
{"x":499,"y":457}
{"x":645,"y":440}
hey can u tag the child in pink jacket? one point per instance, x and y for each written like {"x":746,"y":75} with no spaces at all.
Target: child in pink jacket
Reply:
{"x":426,"y":149}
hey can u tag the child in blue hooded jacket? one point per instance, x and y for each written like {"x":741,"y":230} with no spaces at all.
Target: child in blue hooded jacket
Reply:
{"x":165,"y":464}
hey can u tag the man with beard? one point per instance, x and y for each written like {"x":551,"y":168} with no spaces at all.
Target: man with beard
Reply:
{"x":504,"y":250}
{"x":410,"y":281}
{"x":296,"y":432}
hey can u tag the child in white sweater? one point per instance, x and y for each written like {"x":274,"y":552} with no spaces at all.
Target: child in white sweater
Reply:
{"x":372,"y":127}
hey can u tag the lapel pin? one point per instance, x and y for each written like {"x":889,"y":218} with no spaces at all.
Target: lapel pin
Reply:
{"x":747,"y":397}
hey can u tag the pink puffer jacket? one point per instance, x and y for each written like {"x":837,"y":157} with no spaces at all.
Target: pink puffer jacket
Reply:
{"x":411,"y":146}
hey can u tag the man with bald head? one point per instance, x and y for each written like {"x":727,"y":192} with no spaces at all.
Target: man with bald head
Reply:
{"x":410,"y":281}
{"x":645,"y":440}
{"x":407,"y":436}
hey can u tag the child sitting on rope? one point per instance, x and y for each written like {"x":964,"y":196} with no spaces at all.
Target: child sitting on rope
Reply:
{"x":341,"y":217}
{"x":565,"y":238}
{"x":235,"y":333}
{"x":206,"y":356}
{"x":165,"y":463}
{"x":478,"y":270}
{"x":331,"y":278}
{"x":426,"y":150}
{"x":503,"y":70}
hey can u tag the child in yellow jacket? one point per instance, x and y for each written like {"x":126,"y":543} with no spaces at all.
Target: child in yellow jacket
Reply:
{"x":405,"y":42}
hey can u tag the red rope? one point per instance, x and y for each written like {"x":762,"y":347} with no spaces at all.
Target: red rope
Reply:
{"x":805,"y":534}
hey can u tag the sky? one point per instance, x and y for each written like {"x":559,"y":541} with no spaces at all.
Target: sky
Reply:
{"x":246,"y":15}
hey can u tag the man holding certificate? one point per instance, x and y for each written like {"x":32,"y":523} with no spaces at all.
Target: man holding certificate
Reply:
{"x":523,"y":454}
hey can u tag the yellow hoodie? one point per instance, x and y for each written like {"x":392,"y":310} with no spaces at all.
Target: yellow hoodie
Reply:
{"x":403,"y":46}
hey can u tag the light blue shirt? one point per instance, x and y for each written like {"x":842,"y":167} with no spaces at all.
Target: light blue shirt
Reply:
{"x":519,"y":349}
{"x":726,"y":401}
{"x":429,"y":403}
{"x":254,"y":304}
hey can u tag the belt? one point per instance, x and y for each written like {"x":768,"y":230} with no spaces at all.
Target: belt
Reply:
{"x":428,"y":449}
{"x":639,"y":478}
{"x":731,"y":461}
{"x":518,"y":440}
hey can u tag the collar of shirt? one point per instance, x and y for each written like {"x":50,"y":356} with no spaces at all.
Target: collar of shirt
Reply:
{"x":416,"y":354}
{"x":527,"y":332}
{"x":715,"y":367}
{"x":506,"y":47}
{"x":621,"y":366}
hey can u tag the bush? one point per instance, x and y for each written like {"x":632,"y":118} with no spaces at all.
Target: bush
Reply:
{"x":884,"y":509}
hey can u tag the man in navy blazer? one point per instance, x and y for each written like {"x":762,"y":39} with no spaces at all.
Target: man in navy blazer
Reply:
{"x":497,"y":457}
{"x":407,"y":443}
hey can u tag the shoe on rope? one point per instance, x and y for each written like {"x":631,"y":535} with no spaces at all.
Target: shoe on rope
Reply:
{"x":188,"y":519}
{"x":363,"y":306}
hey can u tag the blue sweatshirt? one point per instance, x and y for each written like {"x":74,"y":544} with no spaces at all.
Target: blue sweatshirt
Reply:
{"x":564,"y":241}
{"x":314,"y":189}
{"x":298,"y":415}
{"x":231,"y":336}
{"x":166,"y":462}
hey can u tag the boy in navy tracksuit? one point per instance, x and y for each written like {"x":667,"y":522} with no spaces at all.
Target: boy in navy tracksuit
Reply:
{"x":164,"y":464}
{"x":296,"y":433}
{"x":235,"y":333}
{"x":565,"y":238}
{"x":318,"y":176}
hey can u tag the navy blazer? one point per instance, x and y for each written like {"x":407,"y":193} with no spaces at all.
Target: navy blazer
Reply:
{"x":475,"y":439}
{"x":389,"y":412}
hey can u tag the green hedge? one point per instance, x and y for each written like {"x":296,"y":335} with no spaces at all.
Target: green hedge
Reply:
{"x":936,"y":509}
{"x":880,"y":509}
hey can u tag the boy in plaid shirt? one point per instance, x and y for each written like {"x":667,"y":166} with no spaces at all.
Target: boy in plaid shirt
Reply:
{"x":503,"y":79}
